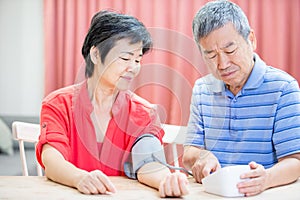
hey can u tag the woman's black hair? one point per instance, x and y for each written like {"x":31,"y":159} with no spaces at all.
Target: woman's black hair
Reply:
{"x":106,"y":28}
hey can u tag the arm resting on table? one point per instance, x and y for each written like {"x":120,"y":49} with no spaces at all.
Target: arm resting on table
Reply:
{"x":58,"y":169}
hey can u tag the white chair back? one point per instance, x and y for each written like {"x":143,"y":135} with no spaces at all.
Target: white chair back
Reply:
{"x":26,"y":132}
{"x":174,"y":135}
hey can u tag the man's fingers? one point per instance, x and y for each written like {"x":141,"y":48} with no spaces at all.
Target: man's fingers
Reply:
{"x":206,"y":171}
{"x":197,"y":175}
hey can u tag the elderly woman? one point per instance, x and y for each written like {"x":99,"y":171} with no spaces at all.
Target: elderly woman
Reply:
{"x":98,"y":128}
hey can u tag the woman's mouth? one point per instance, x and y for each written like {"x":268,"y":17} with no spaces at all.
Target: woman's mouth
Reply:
{"x":128,"y":78}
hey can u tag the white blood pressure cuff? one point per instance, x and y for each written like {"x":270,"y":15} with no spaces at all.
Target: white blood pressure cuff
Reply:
{"x":145,"y":149}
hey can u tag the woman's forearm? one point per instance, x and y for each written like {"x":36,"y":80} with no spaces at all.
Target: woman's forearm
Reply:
{"x":58,"y":169}
{"x":152,"y":174}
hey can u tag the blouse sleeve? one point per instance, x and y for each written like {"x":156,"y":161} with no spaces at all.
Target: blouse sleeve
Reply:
{"x":53,"y":130}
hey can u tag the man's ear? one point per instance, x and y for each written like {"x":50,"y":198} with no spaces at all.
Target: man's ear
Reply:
{"x":252,"y":39}
{"x":94,"y":54}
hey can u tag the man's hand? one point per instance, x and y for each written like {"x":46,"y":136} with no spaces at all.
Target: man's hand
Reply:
{"x":256,"y":182}
{"x":204,"y":166}
{"x":173,"y":185}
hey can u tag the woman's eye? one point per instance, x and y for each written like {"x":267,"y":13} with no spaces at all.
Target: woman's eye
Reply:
{"x":126,"y":59}
{"x":137,"y":61}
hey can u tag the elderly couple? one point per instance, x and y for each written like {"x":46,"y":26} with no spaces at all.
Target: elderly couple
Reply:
{"x":244,"y":112}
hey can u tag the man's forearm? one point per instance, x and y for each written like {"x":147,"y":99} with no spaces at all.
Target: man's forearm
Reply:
{"x":287,"y":170}
{"x":192,"y":154}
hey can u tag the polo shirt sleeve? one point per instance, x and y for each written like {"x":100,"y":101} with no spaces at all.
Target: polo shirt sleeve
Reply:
{"x":195,"y":129}
{"x":286,"y":136}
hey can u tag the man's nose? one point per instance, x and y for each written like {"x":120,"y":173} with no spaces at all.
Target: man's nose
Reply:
{"x":223,"y":61}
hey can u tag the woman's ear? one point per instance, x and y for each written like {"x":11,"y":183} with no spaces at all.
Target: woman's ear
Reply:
{"x":94,"y":54}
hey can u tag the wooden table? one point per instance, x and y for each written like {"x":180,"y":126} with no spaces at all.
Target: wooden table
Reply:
{"x":35,"y":187}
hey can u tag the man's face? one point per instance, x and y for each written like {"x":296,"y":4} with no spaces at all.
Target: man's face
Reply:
{"x":229,"y":56}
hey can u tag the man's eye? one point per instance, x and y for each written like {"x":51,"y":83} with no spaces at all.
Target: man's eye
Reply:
{"x":230,"y":52}
{"x":212,"y":56}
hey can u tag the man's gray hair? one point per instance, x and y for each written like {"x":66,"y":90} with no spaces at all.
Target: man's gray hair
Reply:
{"x":216,"y":14}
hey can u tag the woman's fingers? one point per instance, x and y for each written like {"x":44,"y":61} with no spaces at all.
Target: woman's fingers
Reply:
{"x":174,"y":185}
{"x":95,"y":182}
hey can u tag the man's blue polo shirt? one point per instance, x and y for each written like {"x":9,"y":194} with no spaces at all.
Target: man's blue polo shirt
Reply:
{"x":261,"y":123}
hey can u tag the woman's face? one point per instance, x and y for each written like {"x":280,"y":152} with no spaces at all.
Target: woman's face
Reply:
{"x":122,"y":64}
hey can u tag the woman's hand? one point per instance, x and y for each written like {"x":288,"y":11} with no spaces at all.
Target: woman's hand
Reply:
{"x":174,"y":185}
{"x":95,"y":182}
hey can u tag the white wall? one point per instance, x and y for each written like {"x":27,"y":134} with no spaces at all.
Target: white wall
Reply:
{"x":21,"y":57}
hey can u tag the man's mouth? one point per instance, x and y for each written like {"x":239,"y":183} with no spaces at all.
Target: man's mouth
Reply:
{"x":226,"y":74}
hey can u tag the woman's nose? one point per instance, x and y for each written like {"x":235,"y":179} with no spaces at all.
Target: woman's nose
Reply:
{"x":134,"y":67}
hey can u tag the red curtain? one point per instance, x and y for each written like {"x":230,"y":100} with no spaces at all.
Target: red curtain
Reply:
{"x":169,"y":71}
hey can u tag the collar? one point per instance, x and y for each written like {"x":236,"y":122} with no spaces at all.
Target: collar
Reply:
{"x":256,"y":77}
{"x":81,"y":99}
